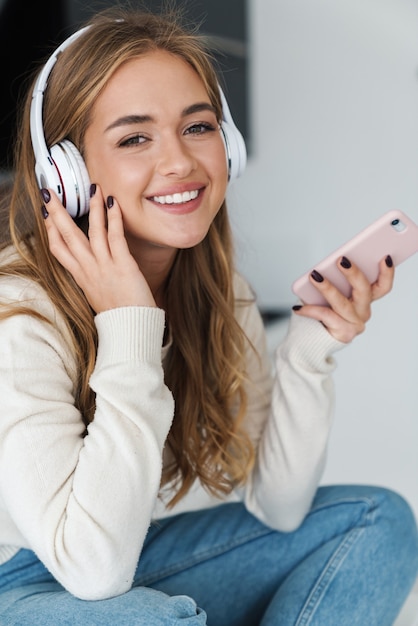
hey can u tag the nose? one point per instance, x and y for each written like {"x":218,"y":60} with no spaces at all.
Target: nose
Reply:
{"x":175,"y":158}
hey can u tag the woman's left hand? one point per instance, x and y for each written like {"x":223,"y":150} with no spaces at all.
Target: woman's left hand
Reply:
{"x":345,"y":318}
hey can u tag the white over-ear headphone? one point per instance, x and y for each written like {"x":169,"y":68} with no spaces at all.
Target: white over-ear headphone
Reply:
{"x":61,"y":167}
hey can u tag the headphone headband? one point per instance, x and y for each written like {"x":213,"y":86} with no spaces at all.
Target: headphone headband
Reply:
{"x":36,"y":125}
{"x":61,"y":166}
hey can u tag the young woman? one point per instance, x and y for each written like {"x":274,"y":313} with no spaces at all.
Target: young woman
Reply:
{"x":152,"y":471}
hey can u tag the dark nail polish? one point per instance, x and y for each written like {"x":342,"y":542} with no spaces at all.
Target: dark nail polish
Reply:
{"x":317,"y":276}
{"x":109,"y":202}
{"x":44,"y":212}
{"x":93,"y":188}
{"x":297,"y":307}
{"x":45,"y":195}
{"x":389,"y":261}
{"x":345,"y":263}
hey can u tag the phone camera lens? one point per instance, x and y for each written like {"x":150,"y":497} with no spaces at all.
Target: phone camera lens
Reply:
{"x":398,"y":225}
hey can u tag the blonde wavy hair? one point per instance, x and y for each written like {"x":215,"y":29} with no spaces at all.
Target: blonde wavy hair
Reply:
{"x":205,"y":367}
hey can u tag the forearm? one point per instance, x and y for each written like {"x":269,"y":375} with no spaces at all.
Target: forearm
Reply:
{"x":84,"y":504}
{"x":292,"y":448}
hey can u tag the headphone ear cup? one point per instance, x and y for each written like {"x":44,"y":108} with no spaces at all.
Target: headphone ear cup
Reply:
{"x":73,"y":176}
{"x":236,"y":152}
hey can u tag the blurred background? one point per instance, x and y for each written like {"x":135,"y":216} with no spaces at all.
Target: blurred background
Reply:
{"x":333,"y":101}
{"x":326,"y":95}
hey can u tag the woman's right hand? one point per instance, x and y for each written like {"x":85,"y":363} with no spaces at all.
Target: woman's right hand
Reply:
{"x":101,"y":264}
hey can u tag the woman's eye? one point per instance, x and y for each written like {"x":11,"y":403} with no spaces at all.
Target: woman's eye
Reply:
{"x":200,"y":129}
{"x":133,"y":141}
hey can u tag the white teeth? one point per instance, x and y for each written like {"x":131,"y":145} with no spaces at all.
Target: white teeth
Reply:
{"x":177,"y":198}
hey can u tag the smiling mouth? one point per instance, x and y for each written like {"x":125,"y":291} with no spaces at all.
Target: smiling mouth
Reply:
{"x":177,"y":198}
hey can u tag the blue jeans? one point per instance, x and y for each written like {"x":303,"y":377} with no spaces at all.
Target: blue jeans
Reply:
{"x":352,"y":562}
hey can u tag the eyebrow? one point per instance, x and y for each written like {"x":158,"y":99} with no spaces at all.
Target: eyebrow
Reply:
{"x":141,"y":119}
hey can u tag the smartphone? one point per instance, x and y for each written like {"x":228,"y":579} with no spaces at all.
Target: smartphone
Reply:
{"x":394,"y":233}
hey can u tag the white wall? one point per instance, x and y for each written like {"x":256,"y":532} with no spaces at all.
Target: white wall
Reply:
{"x":334,"y":100}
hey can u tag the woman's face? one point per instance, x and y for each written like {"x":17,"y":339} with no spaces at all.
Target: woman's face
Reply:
{"x":154,"y":144}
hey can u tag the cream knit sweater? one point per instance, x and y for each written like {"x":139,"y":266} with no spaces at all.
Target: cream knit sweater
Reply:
{"x":84,"y":505}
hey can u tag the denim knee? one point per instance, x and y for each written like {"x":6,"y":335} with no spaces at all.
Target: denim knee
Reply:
{"x":398,"y":524}
{"x":40,"y":605}
{"x":398,"y":511}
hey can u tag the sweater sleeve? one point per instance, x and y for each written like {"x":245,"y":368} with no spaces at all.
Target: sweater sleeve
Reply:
{"x":291,"y":405}
{"x":83,"y":505}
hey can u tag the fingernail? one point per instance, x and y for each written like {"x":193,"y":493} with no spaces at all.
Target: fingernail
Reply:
{"x":345,"y":262}
{"x":45,"y":195}
{"x":44,"y":212}
{"x":317,"y":276}
{"x":93,"y":188}
{"x":109,"y":202}
{"x":389,"y":261}
{"x":297,"y":307}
